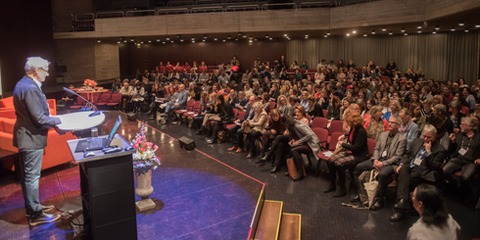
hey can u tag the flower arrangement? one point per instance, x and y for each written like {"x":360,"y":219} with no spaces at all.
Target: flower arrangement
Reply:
{"x":144,"y":157}
{"x":89,"y":83}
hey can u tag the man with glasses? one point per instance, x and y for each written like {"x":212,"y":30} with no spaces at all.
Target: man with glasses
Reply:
{"x":407,"y":127}
{"x":422,"y":164}
{"x":30,"y":136}
{"x":390,"y":147}
{"x":465,"y":156}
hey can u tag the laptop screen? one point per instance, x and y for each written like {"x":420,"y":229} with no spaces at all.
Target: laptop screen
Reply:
{"x":114,"y":130}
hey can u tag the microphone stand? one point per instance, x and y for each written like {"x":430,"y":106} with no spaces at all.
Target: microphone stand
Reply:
{"x":88,"y":103}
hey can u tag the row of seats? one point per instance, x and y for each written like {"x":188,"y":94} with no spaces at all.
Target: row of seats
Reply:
{"x":105,"y":99}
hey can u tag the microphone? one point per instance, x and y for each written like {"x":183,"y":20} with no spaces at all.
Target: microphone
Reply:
{"x":95,"y":109}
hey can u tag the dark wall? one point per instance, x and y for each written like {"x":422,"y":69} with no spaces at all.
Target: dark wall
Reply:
{"x":26,"y":30}
{"x":148,"y":56}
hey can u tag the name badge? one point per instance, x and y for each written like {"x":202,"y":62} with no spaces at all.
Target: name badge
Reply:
{"x":384,"y":153}
{"x":462,"y":151}
{"x":418,"y":161}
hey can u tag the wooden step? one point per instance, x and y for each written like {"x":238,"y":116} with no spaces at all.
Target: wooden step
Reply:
{"x":269,"y":223}
{"x":291,"y":226}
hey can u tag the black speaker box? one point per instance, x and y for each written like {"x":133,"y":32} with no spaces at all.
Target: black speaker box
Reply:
{"x":187,"y":143}
{"x":131,"y":116}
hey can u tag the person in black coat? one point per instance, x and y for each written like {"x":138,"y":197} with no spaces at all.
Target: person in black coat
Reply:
{"x":30,"y":136}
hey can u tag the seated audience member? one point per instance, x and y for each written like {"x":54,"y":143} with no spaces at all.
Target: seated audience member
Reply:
{"x":237,"y":132}
{"x":303,"y":141}
{"x":389,"y":149}
{"x":257,"y":125}
{"x":375,"y":124}
{"x":442,"y":123}
{"x":356,"y":151}
{"x":333,"y":110}
{"x":225,"y":116}
{"x":434,"y":222}
{"x":180,"y":102}
{"x":407,"y":127}
{"x":422,"y":163}
{"x":464,"y":156}
{"x":276,"y":126}
{"x":284,"y":107}
{"x":211,"y":114}
{"x":300,"y":114}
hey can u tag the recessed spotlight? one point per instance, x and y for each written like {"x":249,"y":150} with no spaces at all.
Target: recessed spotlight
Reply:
{"x":149,"y":41}
{"x":119,"y":42}
{"x":205,"y":37}
{"x":178,"y":36}
{"x":203,"y":40}
{"x":158,"y":40}
{"x":419,"y":31}
{"x":354,"y":32}
{"x":229,"y":37}
{"x":452,"y":29}
{"x":285,"y":35}
{"x":325,"y":36}
{"x":437,"y":28}
{"x":99,"y":41}
{"x":266,"y":36}
{"x":405,"y":34}
{"x":172,"y":41}
{"x":434,"y":32}
{"x":403,"y":30}
{"x":306,"y":36}
{"x":256,"y":39}
{"x":271,"y":39}
{"x":124,"y":41}
{"x":390,"y":33}
{"x":364,"y":35}
{"x":461,"y":24}
{"x":163,"y":42}
{"x":181,"y":40}
{"x":419,"y":27}
{"x":215,"y":39}
{"x":141,"y":42}
{"x":131,"y":40}
{"x":244,"y":36}
{"x":224,"y":40}
{"x":466,"y":30}
{"x":348,"y":34}
{"x":477,"y":26}
{"x":250,"y":40}
{"x":384,"y":29}
{"x":168,"y":39}
{"x":328,"y":33}
{"x":236,"y":39}
{"x":373,"y":32}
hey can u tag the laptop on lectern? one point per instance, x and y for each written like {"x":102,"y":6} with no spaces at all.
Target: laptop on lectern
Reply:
{"x":98,"y":143}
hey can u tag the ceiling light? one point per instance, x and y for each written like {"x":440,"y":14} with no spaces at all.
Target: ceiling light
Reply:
{"x":373,"y":32}
{"x":405,"y":34}
{"x":328,"y":33}
{"x":466,"y":30}
{"x":348,"y":34}
{"x":178,"y":36}
{"x":256,"y":39}
{"x":99,"y":41}
{"x":437,"y":28}
{"x":461,"y":24}
{"x":419,"y":27}
{"x":244,"y":36}
{"x":384,"y":29}
{"x":149,"y":41}
{"x":266,"y":36}
{"x":390,"y":33}
{"x":224,"y":40}
{"x":229,"y":37}
{"x":365,"y":35}
{"x":434,"y":32}
{"x":125,"y":41}
{"x":419,"y":31}
{"x":477,"y":26}
{"x":285,"y":35}
{"x":215,"y":39}
{"x":354,"y":32}
{"x":181,"y":40}
{"x":168,"y":39}
{"x":205,"y":37}
{"x":452,"y":29}
{"x":118,"y":42}
{"x":403,"y":30}
{"x":203,"y":40}
{"x":271,"y":39}
{"x":236,"y":39}
{"x":306,"y":36}
{"x":250,"y":40}
{"x":158,"y":40}
{"x":163,"y":42}
{"x":141,"y":42}
{"x":131,"y":40}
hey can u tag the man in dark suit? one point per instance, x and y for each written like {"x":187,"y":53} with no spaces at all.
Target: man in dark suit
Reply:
{"x":422,"y":164}
{"x":389,"y":149}
{"x":30,"y":136}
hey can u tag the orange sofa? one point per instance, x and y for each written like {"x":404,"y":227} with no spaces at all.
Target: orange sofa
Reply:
{"x":56,"y":152}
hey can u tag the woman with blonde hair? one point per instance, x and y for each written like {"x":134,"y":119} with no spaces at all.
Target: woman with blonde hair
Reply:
{"x":355,"y":150}
{"x":284,"y":107}
{"x":300,"y":114}
{"x":375,"y":124}
{"x":258,"y":126}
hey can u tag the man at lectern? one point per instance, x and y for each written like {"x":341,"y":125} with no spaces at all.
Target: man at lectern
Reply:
{"x":30,"y":136}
